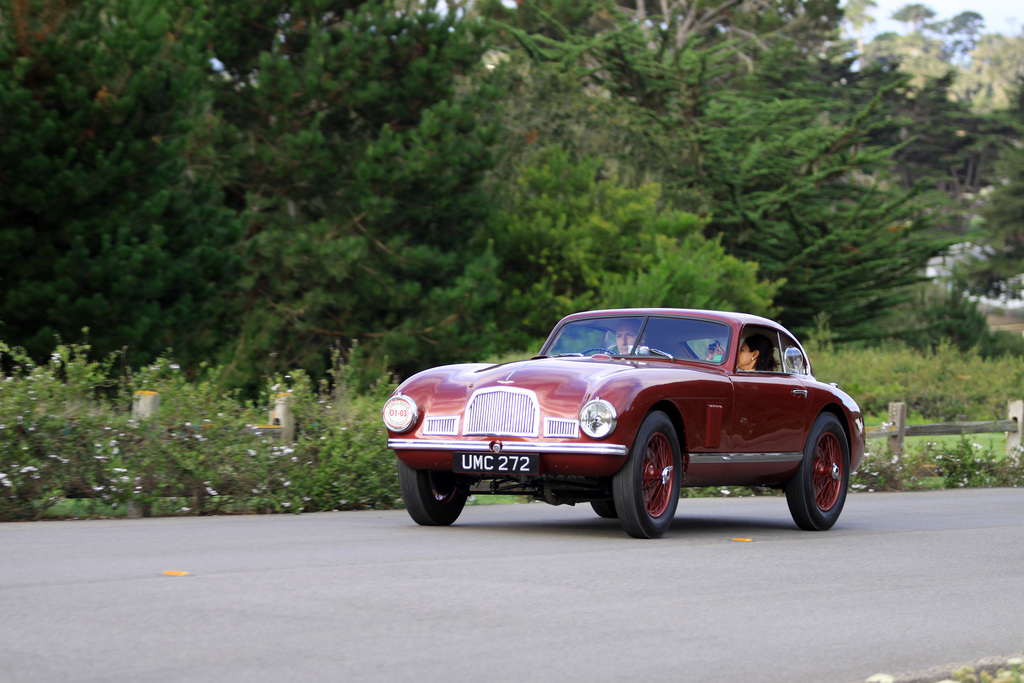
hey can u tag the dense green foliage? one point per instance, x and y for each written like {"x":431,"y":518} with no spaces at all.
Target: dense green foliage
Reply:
{"x":262,"y":185}
{"x":781,"y":182}
{"x":356,"y":161}
{"x":570,"y":241}
{"x":103,"y":222}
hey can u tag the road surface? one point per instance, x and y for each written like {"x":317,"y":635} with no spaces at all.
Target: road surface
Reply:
{"x":905,"y":581}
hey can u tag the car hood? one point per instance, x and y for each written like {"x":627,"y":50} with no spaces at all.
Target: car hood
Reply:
{"x":562,"y":385}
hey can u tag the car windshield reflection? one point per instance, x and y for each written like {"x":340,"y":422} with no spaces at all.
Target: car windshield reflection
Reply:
{"x":631,"y":336}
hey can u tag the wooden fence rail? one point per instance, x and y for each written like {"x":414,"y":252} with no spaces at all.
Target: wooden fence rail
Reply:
{"x":896,"y":428}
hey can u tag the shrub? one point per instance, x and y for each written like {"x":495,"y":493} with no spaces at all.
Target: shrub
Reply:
{"x":53,"y":424}
{"x":940,"y":385}
{"x":67,"y":432}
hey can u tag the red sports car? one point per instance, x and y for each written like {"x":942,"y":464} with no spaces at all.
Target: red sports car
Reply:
{"x":620,"y":409}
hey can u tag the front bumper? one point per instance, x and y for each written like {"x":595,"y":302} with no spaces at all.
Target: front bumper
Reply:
{"x":510,"y":446}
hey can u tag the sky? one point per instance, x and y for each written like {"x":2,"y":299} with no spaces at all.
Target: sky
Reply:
{"x":1001,"y":16}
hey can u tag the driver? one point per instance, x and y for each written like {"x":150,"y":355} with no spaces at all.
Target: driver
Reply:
{"x":625,"y":337}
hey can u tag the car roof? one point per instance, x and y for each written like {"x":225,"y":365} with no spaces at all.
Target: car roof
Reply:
{"x":723,"y":316}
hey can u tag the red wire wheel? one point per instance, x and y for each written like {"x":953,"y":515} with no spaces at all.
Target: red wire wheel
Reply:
{"x":657,"y":486}
{"x":828,"y":471}
{"x":817,"y":492}
{"x":645,"y":491}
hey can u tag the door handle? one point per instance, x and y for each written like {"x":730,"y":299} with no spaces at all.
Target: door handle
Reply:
{"x":802,"y":393}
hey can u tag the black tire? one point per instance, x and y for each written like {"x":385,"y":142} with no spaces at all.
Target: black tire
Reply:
{"x":646,"y":489}
{"x":605,"y":508}
{"x":817,"y":492}
{"x":432,"y":498}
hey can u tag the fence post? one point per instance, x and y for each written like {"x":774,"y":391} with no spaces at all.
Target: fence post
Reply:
{"x":145,"y":404}
{"x":281,"y":414}
{"x":898,"y":419}
{"x":1015,"y":412}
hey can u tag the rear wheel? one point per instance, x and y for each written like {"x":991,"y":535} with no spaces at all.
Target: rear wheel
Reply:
{"x":817,"y":492}
{"x":432,"y":498}
{"x":646,"y":489}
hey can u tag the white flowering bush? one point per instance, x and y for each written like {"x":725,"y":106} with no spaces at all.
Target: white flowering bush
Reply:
{"x":340,"y":458}
{"x":51,"y":416}
{"x":971,"y":464}
{"x":930,"y":464}
{"x":67,"y":432}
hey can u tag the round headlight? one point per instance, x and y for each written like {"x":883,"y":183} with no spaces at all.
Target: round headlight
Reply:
{"x":400,"y":413}
{"x":598,"y":418}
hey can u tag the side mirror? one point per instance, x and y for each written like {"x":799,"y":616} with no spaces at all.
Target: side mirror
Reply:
{"x":793,"y":361}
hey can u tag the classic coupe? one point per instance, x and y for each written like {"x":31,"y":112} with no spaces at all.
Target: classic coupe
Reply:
{"x":620,"y":409}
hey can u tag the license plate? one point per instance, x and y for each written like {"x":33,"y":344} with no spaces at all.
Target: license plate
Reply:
{"x":496,"y":463}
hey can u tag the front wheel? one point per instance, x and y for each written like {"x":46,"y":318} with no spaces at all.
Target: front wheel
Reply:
{"x":605,"y":508}
{"x":646,"y":489}
{"x":817,"y":492}
{"x":432,"y":498}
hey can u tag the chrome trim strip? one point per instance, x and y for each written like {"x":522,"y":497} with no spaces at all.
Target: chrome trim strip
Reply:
{"x":739,"y":458}
{"x":508,"y":447}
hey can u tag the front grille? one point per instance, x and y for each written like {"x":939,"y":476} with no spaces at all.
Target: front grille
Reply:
{"x":502,"y":412}
{"x":447,"y":425}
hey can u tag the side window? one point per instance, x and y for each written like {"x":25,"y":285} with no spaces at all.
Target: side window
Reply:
{"x":765,"y":342}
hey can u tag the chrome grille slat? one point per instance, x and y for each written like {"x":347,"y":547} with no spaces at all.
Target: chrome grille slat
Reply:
{"x":502,"y":412}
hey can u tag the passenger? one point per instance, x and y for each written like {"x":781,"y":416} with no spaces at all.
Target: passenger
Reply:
{"x":756,"y":354}
{"x":716,"y":352}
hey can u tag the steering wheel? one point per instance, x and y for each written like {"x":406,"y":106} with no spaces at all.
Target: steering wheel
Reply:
{"x":597,"y":349}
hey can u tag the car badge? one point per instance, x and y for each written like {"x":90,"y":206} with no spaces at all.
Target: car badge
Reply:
{"x":506,"y":381}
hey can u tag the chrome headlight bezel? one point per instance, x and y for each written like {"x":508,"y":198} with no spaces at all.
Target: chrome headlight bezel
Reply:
{"x":400,"y":413}
{"x":598,"y":418}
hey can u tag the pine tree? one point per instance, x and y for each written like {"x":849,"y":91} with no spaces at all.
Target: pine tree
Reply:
{"x":778,"y":156}
{"x":999,"y":275}
{"x":103,"y":223}
{"x":355,"y":159}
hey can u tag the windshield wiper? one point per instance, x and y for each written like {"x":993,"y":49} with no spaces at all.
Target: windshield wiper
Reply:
{"x":647,"y":350}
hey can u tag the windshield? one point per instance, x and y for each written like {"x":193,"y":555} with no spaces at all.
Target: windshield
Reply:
{"x":667,"y":337}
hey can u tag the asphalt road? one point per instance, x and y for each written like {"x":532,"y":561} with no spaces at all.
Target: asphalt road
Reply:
{"x":904,"y":582}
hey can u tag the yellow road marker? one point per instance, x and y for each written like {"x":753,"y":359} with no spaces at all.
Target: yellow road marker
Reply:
{"x":170,"y":573}
{"x":745,"y":540}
